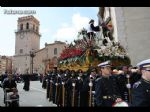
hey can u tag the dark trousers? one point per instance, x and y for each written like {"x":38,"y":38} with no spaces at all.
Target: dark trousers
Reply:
{"x":26,"y":85}
{"x":48,"y":89}
{"x":44,"y":84}
{"x":91,"y":35}
{"x":84,"y":99}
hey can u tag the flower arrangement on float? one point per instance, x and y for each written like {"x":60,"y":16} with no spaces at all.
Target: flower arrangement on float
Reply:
{"x":76,"y":54}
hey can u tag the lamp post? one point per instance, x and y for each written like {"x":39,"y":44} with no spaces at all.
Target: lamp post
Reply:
{"x":49,"y":63}
{"x":32,"y":55}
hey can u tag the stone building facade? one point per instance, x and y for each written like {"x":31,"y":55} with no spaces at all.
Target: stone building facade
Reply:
{"x":131,"y":29}
{"x":5,"y":64}
{"x":27,"y":42}
{"x":47,"y":58}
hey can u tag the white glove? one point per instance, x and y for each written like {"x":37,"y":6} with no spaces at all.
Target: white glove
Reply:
{"x":73,"y":84}
{"x":128,"y":86}
{"x":93,"y":92}
{"x":128,"y":76}
{"x":56,"y":84}
{"x":79,"y":78}
{"x":90,"y":84}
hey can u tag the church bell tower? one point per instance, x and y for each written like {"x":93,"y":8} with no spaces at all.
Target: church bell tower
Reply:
{"x":27,"y":41}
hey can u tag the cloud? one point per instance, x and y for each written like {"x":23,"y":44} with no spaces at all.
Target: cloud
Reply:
{"x":79,"y":21}
{"x":45,"y":30}
{"x":65,"y":34}
{"x":64,"y":25}
{"x":69,"y":32}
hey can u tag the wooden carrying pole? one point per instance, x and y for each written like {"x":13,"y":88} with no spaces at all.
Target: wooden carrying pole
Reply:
{"x":73,"y":94}
{"x":90,"y":93}
{"x":129,"y":89}
{"x":56,"y":91}
{"x":50,"y":93}
{"x":63,"y":94}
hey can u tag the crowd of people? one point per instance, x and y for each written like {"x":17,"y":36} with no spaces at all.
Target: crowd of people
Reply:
{"x":102,"y":86}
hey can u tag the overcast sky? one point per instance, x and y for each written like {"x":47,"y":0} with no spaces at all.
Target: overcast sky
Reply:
{"x":56,"y":23}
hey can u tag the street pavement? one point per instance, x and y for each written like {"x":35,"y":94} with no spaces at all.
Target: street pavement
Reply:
{"x":35,"y":97}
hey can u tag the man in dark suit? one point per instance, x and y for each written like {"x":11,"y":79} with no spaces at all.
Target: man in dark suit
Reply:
{"x":106,"y":90}
{"x":141,"y":89}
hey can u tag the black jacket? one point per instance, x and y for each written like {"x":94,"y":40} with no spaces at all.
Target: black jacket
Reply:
{"x":9,"y":84}
{"x":106,"y":87}
{"x":141,"y":93}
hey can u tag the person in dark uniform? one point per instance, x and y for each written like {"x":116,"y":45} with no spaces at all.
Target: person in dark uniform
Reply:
{"x":141,"y":89}
{"x":26,"y":78}
{"x":68,"y":88}
{"x":44,"y":81}
{"x":124,"y":83}
{"x":58,"y":87}
{"x":84,"y":93}
{"x":54,"y":81}
{"x":65,"y":77}
{"x":106,"y":90}
{"x":79,"y":86}
{"x":41,"y":77}
{"x":48,"y":84}
{"x":77,"y":83}
{"x":71,"y":89}
{"x":135,"y":75}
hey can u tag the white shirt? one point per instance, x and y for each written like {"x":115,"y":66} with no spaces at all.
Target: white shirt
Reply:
{"x":89,"y":28}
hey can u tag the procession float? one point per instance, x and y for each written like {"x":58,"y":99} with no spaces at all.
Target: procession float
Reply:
{"x":85,"y":52}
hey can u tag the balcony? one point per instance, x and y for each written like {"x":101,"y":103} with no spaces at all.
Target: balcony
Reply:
{"x":27,"y":30}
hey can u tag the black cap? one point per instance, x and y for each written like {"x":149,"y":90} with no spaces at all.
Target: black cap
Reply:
{"x":91,"y":21}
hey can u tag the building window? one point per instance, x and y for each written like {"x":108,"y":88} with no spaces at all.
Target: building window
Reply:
{"x":55,"y":51}
{"x":33,"y":27}
{"x":37,"y":29}
{"x":21,"y":27}
{"x":21,"y":51}
{"x":27,"y":26}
